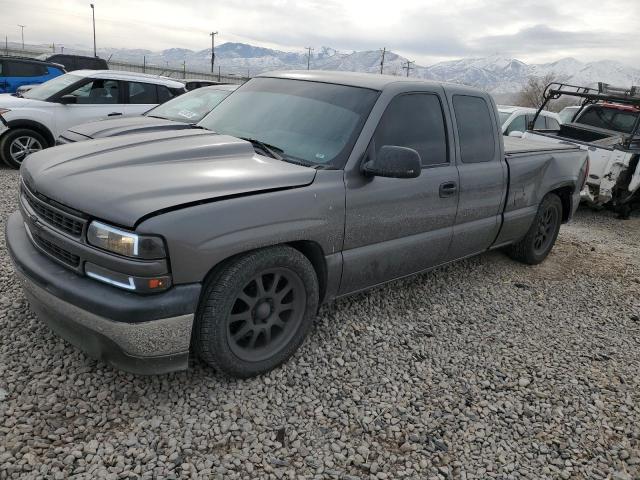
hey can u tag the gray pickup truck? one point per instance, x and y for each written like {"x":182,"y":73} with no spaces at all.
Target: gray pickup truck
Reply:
{"x":223,"y":240}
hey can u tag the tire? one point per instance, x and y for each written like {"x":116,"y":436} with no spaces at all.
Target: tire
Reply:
{"x":17,"y":141}
{"x":244,"y":328}
{"x":542,"y":234}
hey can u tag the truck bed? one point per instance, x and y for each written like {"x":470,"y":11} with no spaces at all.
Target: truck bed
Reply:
{"x":516,"y":146}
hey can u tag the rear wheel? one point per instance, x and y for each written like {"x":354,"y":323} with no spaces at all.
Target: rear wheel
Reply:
{"x":542,"y":234}
{"x":256,"y":311}
{"x":18,"y":144}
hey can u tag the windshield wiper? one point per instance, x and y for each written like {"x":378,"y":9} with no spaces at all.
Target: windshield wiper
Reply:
{"x":157,"y":116}
{"x":270,"y":150}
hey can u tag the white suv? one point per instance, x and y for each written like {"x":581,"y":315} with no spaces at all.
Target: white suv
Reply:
{"x":515,"y":120}
{"x":33,"y":122}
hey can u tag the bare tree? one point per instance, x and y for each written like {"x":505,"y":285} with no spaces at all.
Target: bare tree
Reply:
{"x":532,"y":93}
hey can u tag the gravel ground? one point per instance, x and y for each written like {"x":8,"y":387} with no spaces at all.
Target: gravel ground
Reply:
{"x":483,"y":369}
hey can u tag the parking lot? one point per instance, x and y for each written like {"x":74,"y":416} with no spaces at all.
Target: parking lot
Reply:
{"x":483,"y":369}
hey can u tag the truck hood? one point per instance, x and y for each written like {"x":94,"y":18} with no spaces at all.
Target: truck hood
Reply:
{"x":125,"y":125}
{"x":122,"y":179}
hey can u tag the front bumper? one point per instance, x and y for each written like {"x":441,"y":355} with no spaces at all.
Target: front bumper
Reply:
{"x":140,"y":334}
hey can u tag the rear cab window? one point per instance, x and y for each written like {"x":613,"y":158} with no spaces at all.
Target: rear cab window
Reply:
{"x":475,"y":129}
{"x":609,"y":118}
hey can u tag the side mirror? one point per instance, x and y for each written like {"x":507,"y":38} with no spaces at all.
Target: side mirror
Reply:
{"x":68,"y":99}
{"x":394,"y":162}
{"x":516,"y":133}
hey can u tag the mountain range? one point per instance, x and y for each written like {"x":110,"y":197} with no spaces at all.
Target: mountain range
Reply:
{"x":496,"y":74}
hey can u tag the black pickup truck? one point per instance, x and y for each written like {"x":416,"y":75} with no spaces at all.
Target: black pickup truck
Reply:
{"x":223,"y":240}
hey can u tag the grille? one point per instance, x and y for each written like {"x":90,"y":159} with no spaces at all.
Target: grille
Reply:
{"x":55,"y":217}
{"x":57,"y":252}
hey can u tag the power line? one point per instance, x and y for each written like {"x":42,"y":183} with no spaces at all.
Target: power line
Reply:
{"x":407,"y":66}
{"x":309,"y":50}
{"x":384,"y":50}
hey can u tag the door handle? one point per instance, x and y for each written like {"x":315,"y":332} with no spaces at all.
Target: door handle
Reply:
{"x":114,"y":114}
{"x":448,"y":189}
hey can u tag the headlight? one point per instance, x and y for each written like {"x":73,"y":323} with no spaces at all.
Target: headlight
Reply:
{"x":4,"y":110}
{"x":125,"y":243}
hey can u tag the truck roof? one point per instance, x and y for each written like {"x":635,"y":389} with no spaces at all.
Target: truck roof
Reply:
{"x":356,"y":79}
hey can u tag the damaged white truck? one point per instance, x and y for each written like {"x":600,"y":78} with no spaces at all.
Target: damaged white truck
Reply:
{"x":607,"y":126}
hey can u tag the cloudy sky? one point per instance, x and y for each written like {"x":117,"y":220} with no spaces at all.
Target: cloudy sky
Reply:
{"x":424,"y":30}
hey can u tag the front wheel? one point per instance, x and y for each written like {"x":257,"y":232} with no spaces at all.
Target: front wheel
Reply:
{"x":256,"y":311}
{"x":542,"y":234}
{"x":18,"y":144}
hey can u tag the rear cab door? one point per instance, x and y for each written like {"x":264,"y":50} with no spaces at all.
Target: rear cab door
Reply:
{"x":399,"y":226}
{"x":479,"y":156}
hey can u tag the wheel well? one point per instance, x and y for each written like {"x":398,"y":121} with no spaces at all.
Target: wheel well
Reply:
{"x":311,"y":250}
{"x":315,"y":255}
{"x":35,"y":126}
{"x":565,"y":197}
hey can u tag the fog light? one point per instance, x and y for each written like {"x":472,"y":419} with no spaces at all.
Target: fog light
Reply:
{"x":127,"y":282}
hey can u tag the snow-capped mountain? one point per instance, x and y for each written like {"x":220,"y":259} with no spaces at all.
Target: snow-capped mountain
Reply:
{"x":496,"y":74}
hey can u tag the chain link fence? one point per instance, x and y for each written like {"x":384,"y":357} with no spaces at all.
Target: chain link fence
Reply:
{"x":167,"y":71}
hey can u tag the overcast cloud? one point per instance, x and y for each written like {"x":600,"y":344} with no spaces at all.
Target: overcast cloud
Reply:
{"x":427,"y":31}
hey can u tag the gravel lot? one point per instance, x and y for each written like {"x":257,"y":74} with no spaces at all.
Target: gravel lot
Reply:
{"x":483,"y":369}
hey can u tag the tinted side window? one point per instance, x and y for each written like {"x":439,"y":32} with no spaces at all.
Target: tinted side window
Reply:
{"x":98,"y":92}
{"x":141,"y":93}
{"x":539,"y":125}
{"x":518,"y":124}
{"x":415,"y":121}
{"x":164,"y":94}
{"x":23,"y":69}
{"x":552,"y":124}
{"x":475,"y":128}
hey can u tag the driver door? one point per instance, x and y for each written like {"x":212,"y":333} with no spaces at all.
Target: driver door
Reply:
{"x":400,"y":226}
{"x":94,"y":100}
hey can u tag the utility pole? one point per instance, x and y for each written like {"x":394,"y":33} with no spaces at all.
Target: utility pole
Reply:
{"x":93,"y":15}
{"x":213,"y":53}
{"x":408,"y":66}
{"x":184,"y":69}
{"x":61,"y":48}
{"x":6,"y":44}
{"x":22,"y":32}
{"x":384,"y":50}
{"x":309,"y":50}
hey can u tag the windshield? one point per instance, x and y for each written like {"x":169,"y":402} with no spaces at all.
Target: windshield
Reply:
{"x":47,"y":89}
{"x":609,"y":118}
{"x":310,"y":122}
{"x":190,"y":107}
{"x":504,"y":116}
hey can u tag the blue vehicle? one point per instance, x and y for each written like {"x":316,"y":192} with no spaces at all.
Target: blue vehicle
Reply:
{"x":16,"y":72}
